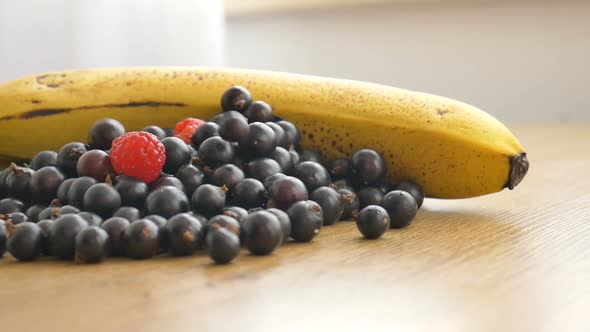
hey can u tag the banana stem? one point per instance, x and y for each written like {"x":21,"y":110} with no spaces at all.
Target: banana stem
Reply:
{"x":519,"y":166}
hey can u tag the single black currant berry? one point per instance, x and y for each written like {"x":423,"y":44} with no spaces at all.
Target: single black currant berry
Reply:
{"x":332,"y":203}
{"x":339,"y":169}
{"x":155,"y":130}
{"x":205,"y":131}
{"x":261,"y":142}
{"x":249,"y":193}
{"x":15,"y":218}
{"x":78,"y":189}
{"x":225,"y":221}
{"x":283,"y":158}
{"x":413,"y":189}
{"x":167,"y":202}
{"x":133,"y":191}
{"x":271,"y":179}
{"x":285,"y":192}
{"x":2,"y":237}
{"x":91,"y":218}
{"x":372,"y":221}
{"x":103,"y":133}
{"x":42,"y":159}
{"x":115,"y":227}
{"x":191,"y":177}
{"x":234,"y":128}
{"x":368,"y":166}
{"x":141,"y":239}
{"x":68,"y":209}
{"x":53,"y":211}
{"x":92,"y":245}
{"x":236,"y":212}
{"x":306,"y":220}
{"x":128,"y":212}
{"x":223,"y":245}
{"x":95,"y":164}
{"x":312,"y":174}
{"x":177,"y":154}
{"x":285,"y":223}
{"x":261,"y":168}
{"x":292,"y":133}
{"x":227,"y":175}
{"x":9,"y":205}
{"x":102,"y":199}
{"x":62,"y":235}
{"x":25,"y":241}
{"x":169,"y":132}
{"x":18,"y":182}
{"x":350,"y":206}
{"x":370,"y":196}
{"x":3,"y":174}
{"x":262,"y":232}
{"x":280,"y":135}
{"x":68,"y":155}
{"x":209,"y":200}
{"x":343,"y":184}
{"x":295,"y":157}
{"x":62,"y":191}
{"x":236,"y":98}
{"x":216,"y":151}
{"x":45,"y":226}
{"x":33,"y":212}
{"x":259,"y":111}
{"x":167,"y":181}
{"x":184,"y":234}
{"x":311,"y":155}
{"x":45,"y":182}
{"x":401,"y":206}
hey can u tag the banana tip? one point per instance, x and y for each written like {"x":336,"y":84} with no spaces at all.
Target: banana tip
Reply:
{"x":519,"y":166}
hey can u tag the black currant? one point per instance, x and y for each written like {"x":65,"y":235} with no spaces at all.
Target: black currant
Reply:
{"x":91,"y":218}
{"x":339,"y":169}
{"x":115,"y":227}
{"x":261,"y":142}
{"x":68,"y":209}
{"x":167,"y":202}
{"x":249,"y":193}
{"x":370,"y":196}
{"x":45,"y":182}
{"x":184,"y":234}
{"x":227,"y":175}
{"x":177,"y":154}
{"x":62,"y":235}
{"x":413,"y":189}
{"x":292,"y":133}
{"x":280,"y":135}
{"x":205,"y":131}
{"x":191,"y":177}
{"x":306,"y":220}
{"x":103,"y":133}
{"x":283,"y":158}
{"x":33,"y":212}
{"x":368,"y":166}
{"x":209,"y":200}
{"x":68,"y":155}
{"x":343,"y":184}
{"x":128,"y":212}
{"x":332,"y":203}
{"x":25,"y":241}
{"x":259,"y":111}
{"x":271,"y":179}
{"x":261,"y":168}
{"x":78,"y":190}
{"x":141,"y":239}
{"x":295,"y":157}
{"x":225,"y":221}
{"x":2,"y":237}
{"x":262,"y":232}
{"x":285,"y":223}
{"x":9,"y":205}
{"x":216,"y":151}
{"x":234,"y":128}
{"x":62,"y":191}
{"x":167,"y":180}
{"x":351,"y":206}
{"x":102,"y":199}
{"x":155,"y":130}
{"x":372,"y":221}
{"x":18,"y":182}
{"x":45,"y":226}
{"x":223,"y":245}
{"x":42,"y":159}
{"x":312,"y":174}
{"x":285,"y":192}
{"x":15,"y":218}
{"x":92,"y":245}
{"x":133,"y":191}
{"x":236,"y":98}
{"x":311,"y":155}
{"x":401,"y":206}
{"x":236,"y":212}
{"x":95,"y":164}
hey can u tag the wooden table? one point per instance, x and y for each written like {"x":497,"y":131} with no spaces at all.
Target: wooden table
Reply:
{"x":513,"y":261}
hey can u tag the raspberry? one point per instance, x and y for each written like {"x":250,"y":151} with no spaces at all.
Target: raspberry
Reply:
{"x":186,"y":128}
{"x":138,"y":154}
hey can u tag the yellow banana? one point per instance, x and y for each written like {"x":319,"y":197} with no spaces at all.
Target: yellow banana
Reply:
{"x":452,"y":149}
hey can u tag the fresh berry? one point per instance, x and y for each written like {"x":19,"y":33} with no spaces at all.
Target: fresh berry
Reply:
{"x":372,"y":221}
{"x":183,"y":234}
{"x":91,"y":218}
{"x":92,"y":245}
{"x":68,"y":209}
{"x":262,"y":232}
{"x":141,"y":239}
{"x":332,"y":203}
{"x":312,"y":174}
{"x":306,"y":220}
{"x":24,"y":241}
{"x":292,"y":133}
{"x":223,"y":245}
{"x":284,"y":221}
{"x":15,"y":218}
{"x":102,"y":199}
{"x":261,"y":142}
{"x":249,"y":193}
{"x":339,"y":169}
{"x":285,"y":192}
{"x":271,"y":179}
{"x":62,"y":235}
{"x":186,"y":128}
{"x":283,"y":158}
{"x":128,"y":212}
{"x":95,"y":164}
{"x":42,"y":159}
{"x":9,"y":205}
{"x":18,"y":182}
{"x":167,"y":181}
{"x":45,"y":226}
{"x":178,"y":154}
{"x":351,"y":206}
{"x":311,"y":155}
{"x":3,"y":174}
{"x":156,"y":131}
{"x":261,"y":168}
{"x":33,"y":212}
{"x":62,"y":191}
{"x":169,"y":132}
{"x":234,"y":127}
{"x":115,"y":227}
{"x":133,"y":191}
{"x":138,"y":154}
{"x":45,"y":182}
{"x":205,"y":131}
{"x":68,"y":155}
{"x":215,"y":151}
{"x":236,"y":98}
{"x":236,"y":212}
{"x":78,"y":190}
{"x":259,"y":111}
{"x":295,"y":157}
{"x":227,"y":175}
{"x":191,"y":177}
{"x":413,"y":189}
{"x":167,"y":202}
{"x":225,"y":221}
{"x":209,"y":200}
{"x":51,"y":212}
{"x":161,"y":223}
{"x":2,"y":237}
{"x":104,"y":132}
{"x":370,"y":196}
{"x":343,"y":184}
{"x":368,"y":166}
{"x":401,"y":206}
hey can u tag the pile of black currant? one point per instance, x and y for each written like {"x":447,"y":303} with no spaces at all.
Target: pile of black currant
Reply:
{"x":239,"y":180}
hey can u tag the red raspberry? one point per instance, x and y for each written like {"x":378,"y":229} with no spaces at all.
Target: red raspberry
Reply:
{"x":138,"y":154}
{"x":186,"y":128}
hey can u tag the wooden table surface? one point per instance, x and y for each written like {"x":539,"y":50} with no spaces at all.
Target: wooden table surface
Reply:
{"x":514,"y":261}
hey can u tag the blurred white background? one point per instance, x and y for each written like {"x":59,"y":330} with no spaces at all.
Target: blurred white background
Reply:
{"x":524,"y":61}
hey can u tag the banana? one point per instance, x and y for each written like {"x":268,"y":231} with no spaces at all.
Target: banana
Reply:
{"x":453,"y":150}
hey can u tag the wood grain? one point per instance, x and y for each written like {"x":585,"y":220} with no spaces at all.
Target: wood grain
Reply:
{"x":513,"y":261}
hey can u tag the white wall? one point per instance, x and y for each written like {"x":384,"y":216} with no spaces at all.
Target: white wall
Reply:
{"x":522,"y":61}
